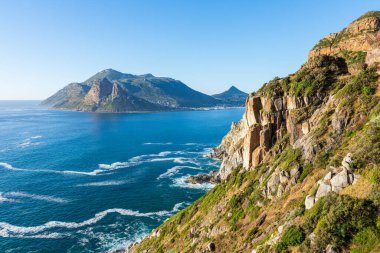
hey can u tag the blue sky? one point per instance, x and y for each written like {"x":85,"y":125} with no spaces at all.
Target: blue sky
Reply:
{"x":209,"y":45}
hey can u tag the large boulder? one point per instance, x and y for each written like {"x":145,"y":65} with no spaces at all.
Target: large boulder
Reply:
{"x":323,"y":189}
{"x":309,"y":202}
{"x":341,"y":180}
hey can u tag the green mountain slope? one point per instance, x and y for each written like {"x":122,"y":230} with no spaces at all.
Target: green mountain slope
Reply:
{"x":300,"y":172}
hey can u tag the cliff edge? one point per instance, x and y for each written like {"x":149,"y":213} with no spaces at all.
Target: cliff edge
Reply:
{"x":300,"y":171}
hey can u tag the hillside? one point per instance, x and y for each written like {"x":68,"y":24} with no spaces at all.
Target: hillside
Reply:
{"x":233,"y":96}
{"x":113,"y":91}
{"x":300,"y":172}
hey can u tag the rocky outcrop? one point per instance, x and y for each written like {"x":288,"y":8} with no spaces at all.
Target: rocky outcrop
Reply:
{"x":280,"y":181}
{"x":334,"y":181}
{"x":100,"y":90}
{"x":212,"y":177}
{"x":361,"y":35}
{"x":265,"y":121}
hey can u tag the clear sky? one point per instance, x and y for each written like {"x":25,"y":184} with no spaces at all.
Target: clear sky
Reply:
{"x":209,"y":45}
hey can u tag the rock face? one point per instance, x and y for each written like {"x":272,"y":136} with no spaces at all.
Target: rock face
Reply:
{"x":335,"y":180}
{"x":361,"y":35}
{"x":113,"y":91}
{"x":280,"y":181}
{"x":212,"y":177}
{"x":268,"y":119}
{"x":265,"y":121}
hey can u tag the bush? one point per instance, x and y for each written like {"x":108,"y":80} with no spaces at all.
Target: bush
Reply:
{"x":366,"y":240}
{"x":319,"y":76}
{"x":368,"y":90}
{"x":293,"y":236}
{"x":305,"y":172}
{"x":343,"y":219}
{"x":363,"y":83}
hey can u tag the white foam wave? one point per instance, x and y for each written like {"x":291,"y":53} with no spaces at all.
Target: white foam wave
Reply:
{"x":158,"y":143}
{"x":174,"y":170}
{"x":36,"y":137}
{"x":91,"y":173}
{"x":29,"y":141}
{"x":5,"y":199}
{"x":9,"y":230}
{"x":180,"y":182}
{"x":104,"y":168}
{"x":190,"y":144}
{"x":104,"y":183}
{"x":34,"y":196}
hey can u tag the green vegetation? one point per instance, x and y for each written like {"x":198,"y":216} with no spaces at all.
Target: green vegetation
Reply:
{"x":319,"y":76}
{"x":369,"y":14}
{"x":289,"y":159}
{"x":336,"y":219}
{"x":366,"y":240}
{"x":293,"y":236}
{"x":353,"y":57}
{"x":363,"y":83}
{"x":305,"y":172}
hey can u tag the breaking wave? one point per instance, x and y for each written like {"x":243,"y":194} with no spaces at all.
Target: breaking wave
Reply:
{"x":104,"y":183}
{"x":180,"y":182}
{"x":9,"y":197}
{"x":158,"y":143}
{"x":174,"y":170}
{"x":9,"y":230}
{"x":105,"y":168}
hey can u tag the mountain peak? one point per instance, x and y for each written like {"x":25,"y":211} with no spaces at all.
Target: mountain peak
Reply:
{"x":358,"y":36}
{"x":369,"y":14}
{"x":233,"y":88}
{"x":233,"y":96}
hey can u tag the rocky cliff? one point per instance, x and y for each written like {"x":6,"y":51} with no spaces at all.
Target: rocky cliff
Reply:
{"x":300,"y":172}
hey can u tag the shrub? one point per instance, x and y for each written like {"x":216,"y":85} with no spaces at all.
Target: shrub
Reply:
{"x":366,"y":240}
{"x":305,"y":172}
{"x":320,"y":75}
{"x":353,"y":57}
{"x":252,"y":233}
{"x":293,"y":236}
{"x":343,"y":219}
{"x":364,"y":83}
{"x":368,"y":90}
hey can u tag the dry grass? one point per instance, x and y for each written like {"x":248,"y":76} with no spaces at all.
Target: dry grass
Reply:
{"x":361,"y":189}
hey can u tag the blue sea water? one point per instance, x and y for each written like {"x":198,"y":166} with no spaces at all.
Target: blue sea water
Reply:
{"x":86,"y":182}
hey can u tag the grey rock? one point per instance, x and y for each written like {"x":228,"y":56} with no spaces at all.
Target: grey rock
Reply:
{"x":309,"y":202}
{"x":284,"y":177}
{"x":347,"y":161}
{"x":340,"y":180}
{"x":323,"y":189}
{"x":328,"y":177}
{"x":331,"y":249}
{"x":280,"y":190}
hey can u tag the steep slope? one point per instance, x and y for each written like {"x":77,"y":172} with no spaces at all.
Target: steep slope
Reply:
{"x":145,"y":92}
{"x":301,"y":171}
{"x":232,"y":97}
{"x":69,"y":97}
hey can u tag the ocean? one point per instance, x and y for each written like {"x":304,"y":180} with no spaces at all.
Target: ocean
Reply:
{"x":88,"y":182}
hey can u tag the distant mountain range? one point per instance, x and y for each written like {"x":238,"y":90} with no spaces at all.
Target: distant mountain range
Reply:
{"x":112,"y":91}
{"x":232,"y":97}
